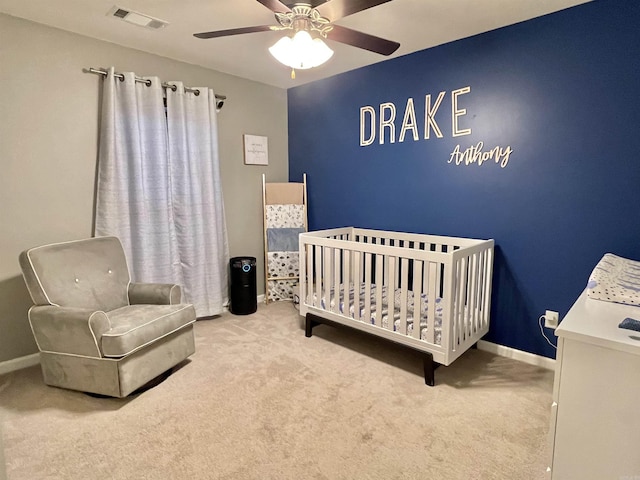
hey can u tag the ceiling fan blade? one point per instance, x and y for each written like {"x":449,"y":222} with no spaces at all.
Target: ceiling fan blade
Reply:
{"x":233,"y":31}
{"x":336,"y":9}
{"x":362,"y":40}
{"x":275,"y":6}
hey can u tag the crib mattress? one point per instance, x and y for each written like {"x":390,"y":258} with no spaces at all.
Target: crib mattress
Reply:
{"x":383,"y":310}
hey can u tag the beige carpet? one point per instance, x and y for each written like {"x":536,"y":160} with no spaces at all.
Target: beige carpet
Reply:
{"x":258,"y":400}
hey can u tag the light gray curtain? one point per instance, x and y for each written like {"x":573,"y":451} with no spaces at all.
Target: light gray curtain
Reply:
{"x":133,"y":200}
{"x":159,"y":191}
{"x":197,"y":196}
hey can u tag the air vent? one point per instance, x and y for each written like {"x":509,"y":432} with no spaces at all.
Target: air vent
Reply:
{"x":120,"y":13}
{"x":137,"y":18}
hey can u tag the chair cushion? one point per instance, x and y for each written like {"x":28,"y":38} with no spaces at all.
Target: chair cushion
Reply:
{"x":135,"y":326}
{"x":90,"y":273}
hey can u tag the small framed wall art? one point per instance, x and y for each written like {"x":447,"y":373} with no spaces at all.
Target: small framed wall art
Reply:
{"x":256,"y":151}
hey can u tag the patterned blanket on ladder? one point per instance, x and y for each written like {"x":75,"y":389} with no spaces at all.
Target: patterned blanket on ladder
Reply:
{"x":284,"y":224}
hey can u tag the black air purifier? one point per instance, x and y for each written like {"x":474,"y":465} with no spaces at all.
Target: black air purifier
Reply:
{"x":244,"y":294}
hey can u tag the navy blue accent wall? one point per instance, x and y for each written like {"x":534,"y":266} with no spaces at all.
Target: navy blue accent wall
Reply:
{"x":562,"y":91}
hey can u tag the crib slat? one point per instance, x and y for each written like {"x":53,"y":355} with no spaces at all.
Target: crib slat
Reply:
{"x":302,"y":271}
{"x":454,"y":309}
{"x":379,"y":285}
{"x":367,"y":287}
{"x":336,"y":279}
{"x":432,"y":295}
{"x":473,"y":304}
{"x":391,"y":297}
{"x":312,"y":273}
{"x":346,"y":281}
{"x":464,"y":310}
{"x":443,"y":248}
{"x":425,"y":278}
{"x":470,"y":300}
{"x":357,"y":278}
{"x":482,"y":287}
{"x":461,"y":301}
{"x":468,"y":311}
{"x":404,"y":280}
{"x":319,"y":274}
{"x":327,"y":277}
{"x":456,"y":304}
{"x":486,"y":288}
{"x":481,"y":291}
{"x":417,"y":298}
{"x":466,"y":318}
{"x":316,"y":266}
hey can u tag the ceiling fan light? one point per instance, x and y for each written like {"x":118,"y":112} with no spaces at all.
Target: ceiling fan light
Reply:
{"x":280,"y":50}
{"x":321,"y":52}
{"x":301,"y":51}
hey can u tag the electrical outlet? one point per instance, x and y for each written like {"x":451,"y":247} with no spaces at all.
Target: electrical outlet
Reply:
{"x":551,"y":319}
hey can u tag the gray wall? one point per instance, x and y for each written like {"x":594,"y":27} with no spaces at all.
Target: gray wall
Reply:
{"x":48,"y":148}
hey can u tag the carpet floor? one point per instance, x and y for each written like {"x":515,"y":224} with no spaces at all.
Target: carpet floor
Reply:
{"x":258,"y":400}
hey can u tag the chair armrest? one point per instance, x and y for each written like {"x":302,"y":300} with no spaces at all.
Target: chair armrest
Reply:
{"x":154,"y":294}
{"x":75,"y":331}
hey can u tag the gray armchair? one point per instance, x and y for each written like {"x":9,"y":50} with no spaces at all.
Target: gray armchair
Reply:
{"x":96,"y":331}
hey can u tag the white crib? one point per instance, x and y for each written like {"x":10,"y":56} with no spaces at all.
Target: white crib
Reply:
{"x":381,"y":282}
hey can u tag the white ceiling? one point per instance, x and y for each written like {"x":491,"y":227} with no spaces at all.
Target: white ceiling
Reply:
{"x":415,"y":24}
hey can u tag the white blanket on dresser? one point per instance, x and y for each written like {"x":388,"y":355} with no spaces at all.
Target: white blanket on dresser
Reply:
{"x":615,"y":279}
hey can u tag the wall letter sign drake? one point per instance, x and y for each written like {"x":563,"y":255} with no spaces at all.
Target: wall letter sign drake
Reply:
{"x":381,"y":123}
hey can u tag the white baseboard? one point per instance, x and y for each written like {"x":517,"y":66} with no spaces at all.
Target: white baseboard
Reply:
{"x":19,"y":363}
{"x":526,"y":357}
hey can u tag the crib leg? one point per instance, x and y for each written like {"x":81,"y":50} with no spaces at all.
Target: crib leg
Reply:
{"x":309,"y":323}
{"x":429,"y":370}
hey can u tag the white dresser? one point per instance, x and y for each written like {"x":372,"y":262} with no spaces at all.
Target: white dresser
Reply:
{"x":595,"y":419}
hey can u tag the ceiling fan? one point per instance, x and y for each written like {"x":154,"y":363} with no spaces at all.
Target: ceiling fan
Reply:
{"x":315,"y":18}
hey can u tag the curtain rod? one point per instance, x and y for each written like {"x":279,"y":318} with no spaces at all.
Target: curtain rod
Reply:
{"x":100,"y":71}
